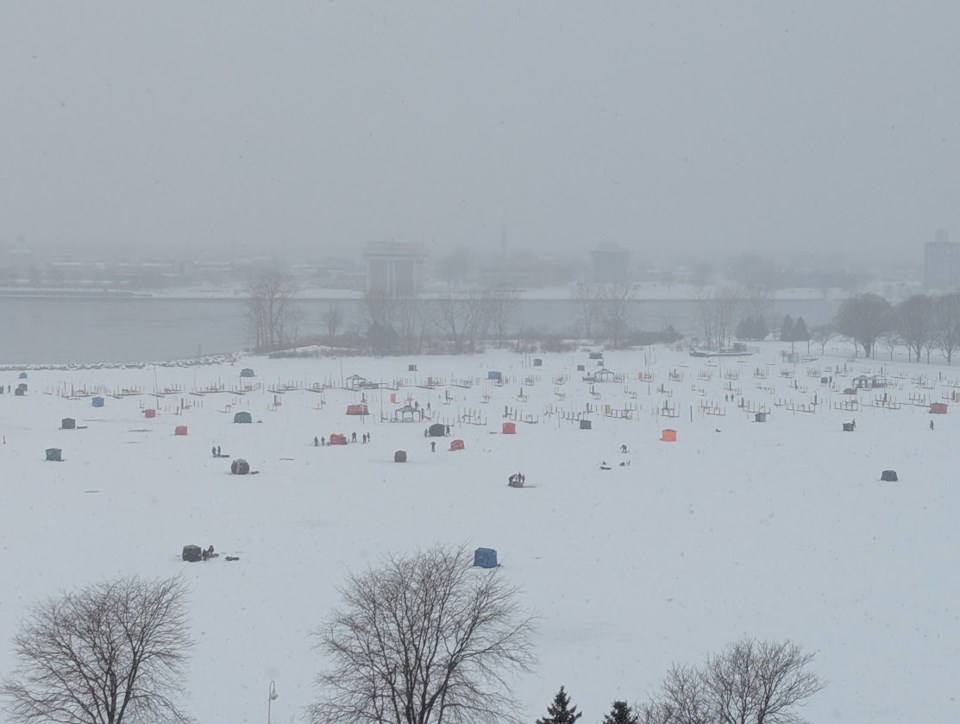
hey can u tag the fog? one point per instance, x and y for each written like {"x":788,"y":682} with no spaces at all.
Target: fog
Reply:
{"x":697,"y":128}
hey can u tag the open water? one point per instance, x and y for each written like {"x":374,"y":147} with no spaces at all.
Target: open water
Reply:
{"x":90,"y":330}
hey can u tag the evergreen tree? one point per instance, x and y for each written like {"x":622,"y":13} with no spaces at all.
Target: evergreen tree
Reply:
{"x":560,"y":711}
{"x":786,"y":331}
{"x":621,"y":713}
{"x":800,"y":333}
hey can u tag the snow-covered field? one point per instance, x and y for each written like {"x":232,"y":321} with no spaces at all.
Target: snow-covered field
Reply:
{"x":777,"y":530}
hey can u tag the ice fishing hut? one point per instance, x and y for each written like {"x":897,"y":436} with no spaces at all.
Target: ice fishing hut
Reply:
{"x":495,"y":375}
{"x":22,"y":376}
{"x":537,"y":362}
{"x":509,"y":428}
{"x":97,"y":401}
{"x":604,"y":375}
{"x":400,"y":456}
{"x":180,"y":430}
{"x":247,"y":372}
{"x":596,"y":355}
{"x":485,"y":558}
{"x":68,"y":423}
{"x":240,"y":467}
{"x":192,"y":554}
{"x":668,"y":435}
{"x":243,"y":416}
{"x":586,"y":425}
{"x":21,"y":389}
{"x":338,"y":439}
{"x":355,"y":382}
{"x":53,"y":454}
{"x":411,"y":368}
{"x":760,"y":417}
{"x":456,"y":445}
{"x":150,"y":413}
{"x":360,"y":409}
{"x":869,"y":382}
{"x":438,"y":429}
{"x":408,"y":413}
{"x":938,"y":408}
{"x":889,"y":476}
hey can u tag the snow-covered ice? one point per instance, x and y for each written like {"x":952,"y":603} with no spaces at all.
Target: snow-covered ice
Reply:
{"x":775,"y":530}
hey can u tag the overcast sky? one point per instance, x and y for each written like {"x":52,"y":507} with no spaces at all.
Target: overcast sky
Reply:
{"x":682,"y":126}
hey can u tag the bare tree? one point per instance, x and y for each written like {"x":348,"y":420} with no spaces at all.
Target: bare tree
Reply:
{"x":378,"y":322}
{"x":862,"y":319}
{"x":106,"y":654}
{"x":822,"y":335}
{"x":683,"y":700}
{"x":749,"y":682}
{"x":757,"y":302}
{"x":614,"y":310}
{"x":501,"y":303}
{"x":914,"y":323}
{"x":586,"y":297}
{"x":889,"y":341}
{"x":270,"y":299}
{"x":423,"y":639}
{"x":947,"y":324}
{"x":333,"y":320}
{"x":760,"y":682}
{"x":462,"y":319}
{"x":413,"y":322}
{"x":718,"y":308}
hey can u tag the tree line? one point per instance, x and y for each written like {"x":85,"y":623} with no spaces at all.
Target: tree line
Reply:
{"x":423,"y":638}
{"x":459,"y":321}
{"x":748,"y":682}
{"x":922,"y":324}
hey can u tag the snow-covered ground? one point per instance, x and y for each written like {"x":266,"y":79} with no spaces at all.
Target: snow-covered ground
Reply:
{"x":777,"y":530}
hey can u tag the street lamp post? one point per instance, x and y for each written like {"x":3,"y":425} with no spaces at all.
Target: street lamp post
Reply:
{"x":271,"y":695}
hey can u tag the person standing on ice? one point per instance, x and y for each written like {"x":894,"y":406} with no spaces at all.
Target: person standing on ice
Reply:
{"x":931,"y":424}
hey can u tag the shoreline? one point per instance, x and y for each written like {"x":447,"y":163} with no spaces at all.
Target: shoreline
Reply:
{"x":206,"y":360}
{"x":331,"y":296}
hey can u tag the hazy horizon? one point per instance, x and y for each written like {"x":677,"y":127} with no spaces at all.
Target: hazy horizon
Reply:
{"x":281,"y":128}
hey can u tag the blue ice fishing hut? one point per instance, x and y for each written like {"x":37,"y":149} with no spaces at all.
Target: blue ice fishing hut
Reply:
{"x":485,"y":558}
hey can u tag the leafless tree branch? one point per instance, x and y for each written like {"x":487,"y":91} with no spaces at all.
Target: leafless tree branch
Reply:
{"x":106,"y":654}
{"x":424,"y":639}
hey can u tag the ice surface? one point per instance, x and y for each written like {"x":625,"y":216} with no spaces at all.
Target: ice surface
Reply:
{"x":776,"y":530}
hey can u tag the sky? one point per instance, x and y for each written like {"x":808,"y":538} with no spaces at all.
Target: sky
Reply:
{"x":696,"y":127}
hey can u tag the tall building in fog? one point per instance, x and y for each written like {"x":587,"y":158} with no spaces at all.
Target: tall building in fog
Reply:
{"x":394,"y":268}
{"x":611,"y":265}
{"x":941,"y":263}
